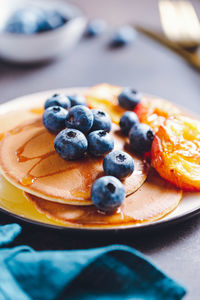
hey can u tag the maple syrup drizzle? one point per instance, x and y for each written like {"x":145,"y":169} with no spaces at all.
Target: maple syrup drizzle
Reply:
{"x":20,"y":150}
{"x":2,"y":136}
{"x":92,"y":216}
{"x":29,"y":179}
{"x":89,"y":171}
{"x":37,"y":110}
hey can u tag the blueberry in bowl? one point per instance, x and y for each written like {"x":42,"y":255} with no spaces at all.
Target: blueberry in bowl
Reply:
{"x":32,"y":20}
{"x":37,"y":31}
{"x":52,"y":20}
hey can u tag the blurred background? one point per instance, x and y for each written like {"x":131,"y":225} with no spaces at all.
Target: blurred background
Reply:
{"x":144,"y":64}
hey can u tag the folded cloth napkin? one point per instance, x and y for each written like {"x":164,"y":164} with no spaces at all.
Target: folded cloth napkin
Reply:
{"x":113,"y":272}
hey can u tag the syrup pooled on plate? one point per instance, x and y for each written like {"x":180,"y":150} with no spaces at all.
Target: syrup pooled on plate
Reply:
{"x":155,"y":199}
{"x":12,"y":200}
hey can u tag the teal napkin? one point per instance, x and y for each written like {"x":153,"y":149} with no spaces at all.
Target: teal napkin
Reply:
{"x":113,"y":272}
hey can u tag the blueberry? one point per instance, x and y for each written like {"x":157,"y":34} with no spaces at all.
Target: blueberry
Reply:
{"x":107,"y":193}
{"x":118,"y":164}
{"x":123,"y":36}
{"x":128,"y":119}
{"x":95,"y":28}
{"x":23,"y":21}
{"x":58,"y":100}
{"x":141,"y":137}
{"x":129,"y":98}
{"x":80,"y":117}
{"x":100,"y":142}
{"x":54,"y":118}
{"x":77,"y":100}
{"x":51,"y":20}
{"x":31,"y":19}
{"x":15,"y":27}
{"x":102,"y":120}
{"x":70,"y":144}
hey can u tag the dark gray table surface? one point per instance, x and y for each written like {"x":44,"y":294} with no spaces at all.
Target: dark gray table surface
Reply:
{"x":146,"y":66}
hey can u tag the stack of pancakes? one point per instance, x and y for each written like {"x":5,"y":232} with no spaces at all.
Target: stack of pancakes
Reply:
{"x":51,"y":190}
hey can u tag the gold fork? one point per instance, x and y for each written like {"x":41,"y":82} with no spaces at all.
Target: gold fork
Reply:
{"x":181,"y":28}
{"x":180,"y":22}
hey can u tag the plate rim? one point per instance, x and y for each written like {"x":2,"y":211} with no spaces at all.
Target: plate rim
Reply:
{"x":135,"y":228}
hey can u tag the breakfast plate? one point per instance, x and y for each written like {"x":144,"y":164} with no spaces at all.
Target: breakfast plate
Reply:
{"x":20,"y":204}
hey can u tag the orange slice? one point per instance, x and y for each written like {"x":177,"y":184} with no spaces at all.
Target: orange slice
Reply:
{"x":154,"y":111}
{"x":176,"y":152}
{"x":104,"y":96}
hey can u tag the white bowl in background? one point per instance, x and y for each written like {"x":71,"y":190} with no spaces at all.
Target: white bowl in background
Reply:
{"x":40,"y":47}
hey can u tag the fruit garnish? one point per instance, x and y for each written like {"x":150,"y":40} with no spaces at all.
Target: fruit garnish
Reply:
{"x":141,"y":137}
{"x":128,"y":119}
{"x":77,"y":100}
{"x":102,"y":120}
{"x":129,"y":98}
{"x":107,"y":193}
{"x":176,"y":152}
{"x":104,"y":96}
{"x":154,"y":111}
{"x":100,"y":142}
{"x":54,"y":118}
{"x":58,"y":100}
{"x":118,"y":164}
{"x":70,"y":144}
{"x":80,"y":117}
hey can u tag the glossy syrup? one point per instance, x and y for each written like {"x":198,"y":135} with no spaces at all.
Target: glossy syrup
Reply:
{"x":86,"y":165}
{"x":13,"y":200}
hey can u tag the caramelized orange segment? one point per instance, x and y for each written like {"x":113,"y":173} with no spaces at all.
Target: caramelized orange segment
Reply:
{"x":176,"y":152}
{"x":154,"y":111}
{"x":104,"y":96}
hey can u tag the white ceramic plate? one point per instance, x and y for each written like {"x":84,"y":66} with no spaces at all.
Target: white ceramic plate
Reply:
{"x":189,"y":206}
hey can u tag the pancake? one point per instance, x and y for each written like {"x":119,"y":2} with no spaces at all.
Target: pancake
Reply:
{"x":16,"y":117}
{"x":28,"y":160}
{"x":152,"y":201}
